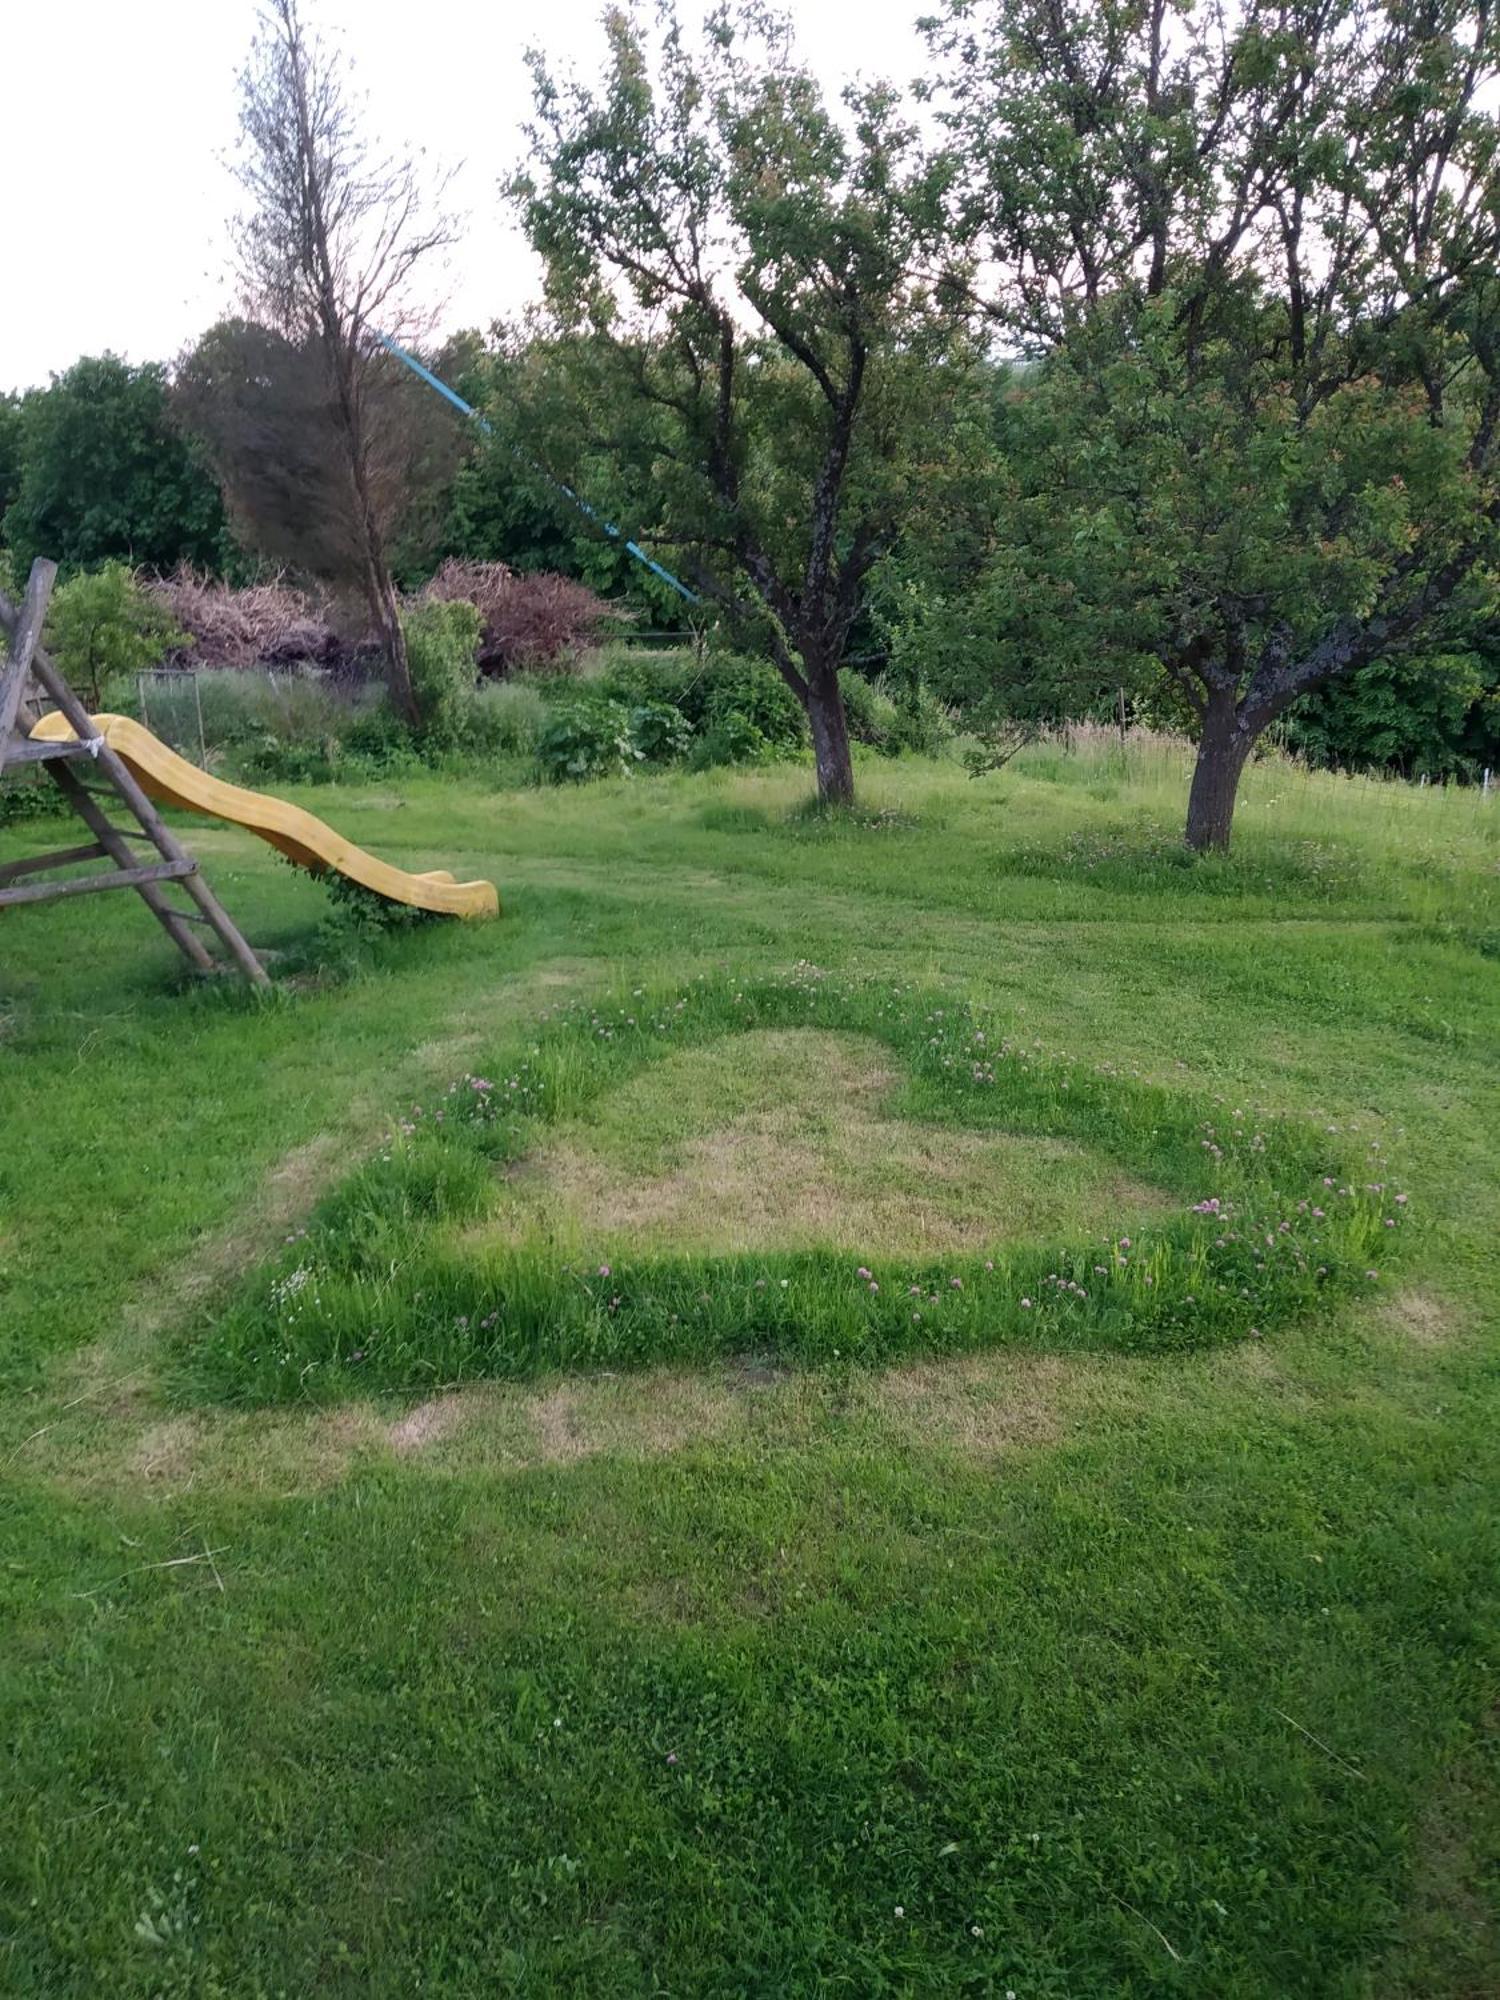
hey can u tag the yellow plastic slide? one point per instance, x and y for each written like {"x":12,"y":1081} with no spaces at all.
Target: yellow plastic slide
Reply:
{"x":173,"y":781}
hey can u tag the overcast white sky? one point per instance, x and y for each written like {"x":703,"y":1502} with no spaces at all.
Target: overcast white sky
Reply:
{"x":119,"y":118}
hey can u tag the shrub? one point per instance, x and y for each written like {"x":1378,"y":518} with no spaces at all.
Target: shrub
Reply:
{"x":660,"y":733}
{"x":377,"y":739}
{"x":267,"y":760}
{"x":921,"y":724}
{"x":1435,"y":713}
{"x":870,"y":712}
{"x":753,"y":691}
{"x":742,"y":703}
{"x":586,"y":739}
{"x":265,"y":623}
{"x":733,"y":739}
{"x":675,"y":678}
{"x":535,"y":621}
{"x":28,"y":795}
{"x":102,"y":625}
{"x":363,"y":915}
{"x":442,"y":637}
{"x":507,"y":717}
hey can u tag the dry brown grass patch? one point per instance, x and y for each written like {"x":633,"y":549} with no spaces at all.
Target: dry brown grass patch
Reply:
{"x":1425,"y":1319}
{"x":810,"y":1156}
{"x":426,"y":1423}
{"x":983,"y":1404}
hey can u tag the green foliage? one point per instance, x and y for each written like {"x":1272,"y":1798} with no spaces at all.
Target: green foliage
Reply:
{"x":269,"y":761}
{"x":736,"y":690}
{"x":629,"y":674}
{"x":362,"y":916}
{"x":102,"y":626}
{"x":729,"y":709}
{"x":768,"y":411}
{"x":745,"y":714}
{"x":507,"y":717}
{"x":10,"y":453}
{"x":1256,"y":461}
{"x":911,"y":719}
{"x":586,"y":739}
{"x":1433,"y":714}
{"x":442,"y":639}
{"x":921,"y":724}
{"x":660,"y":733}
{"x":501,"y":507}
{"x":872,"y":714}
{"x":239,"y":705}
{"x":29,"y":795}
{"x":733,"y":738}
{"x":105,"y":475}
{"x":376,"y":737}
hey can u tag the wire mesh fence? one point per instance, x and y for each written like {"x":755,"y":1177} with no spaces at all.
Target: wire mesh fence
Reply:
{"x":172,"y":708}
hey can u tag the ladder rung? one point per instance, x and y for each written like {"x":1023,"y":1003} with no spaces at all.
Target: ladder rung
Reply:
{"x":86,"y":885}
{"x":60,"y":857}
{"x":38,"y":750}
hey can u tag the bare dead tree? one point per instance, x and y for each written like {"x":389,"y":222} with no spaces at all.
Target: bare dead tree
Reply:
{"x":329,"y":244}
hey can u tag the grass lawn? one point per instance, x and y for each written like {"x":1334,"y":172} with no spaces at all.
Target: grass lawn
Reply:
{"x":684,"y":1632}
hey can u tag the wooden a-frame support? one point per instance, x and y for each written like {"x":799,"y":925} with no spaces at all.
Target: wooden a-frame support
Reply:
{"x":22,"y":661}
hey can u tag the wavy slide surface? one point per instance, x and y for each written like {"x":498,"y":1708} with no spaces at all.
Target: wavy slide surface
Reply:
{"x":299,"y":835}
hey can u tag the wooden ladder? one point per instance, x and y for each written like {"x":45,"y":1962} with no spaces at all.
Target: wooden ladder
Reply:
{"x":22,"y":662}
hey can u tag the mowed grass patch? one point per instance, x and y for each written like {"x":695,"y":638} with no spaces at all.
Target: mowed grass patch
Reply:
{"x":792,"y":1139}
{"x":391,"y":1285}
{"x":1219,"y":1627}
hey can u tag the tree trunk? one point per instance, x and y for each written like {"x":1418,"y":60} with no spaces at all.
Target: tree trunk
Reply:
{"x":385,"y":609}
{"x":830,"y":735}
{"x":1224,"y":746}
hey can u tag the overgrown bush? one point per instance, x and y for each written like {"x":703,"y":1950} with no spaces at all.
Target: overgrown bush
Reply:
{"x":540,"y":621}
{"x":1437,"y":714}
{"x":733,"y":739}
{"x":102,"y":626}
{"x":28,"y":795}
{"x":921,"y":724}
{"x":586,"y":739}
{"x":442,"y":637}
{"x":738,"y":710}
{"x":677,"y":678}
{"x":870,"y":713}
{"x":378,"y":741}
{"x":507,"y":718}
{"x":660,"y":733}
{"x":269,"y":760}
{"x":751,"y":691}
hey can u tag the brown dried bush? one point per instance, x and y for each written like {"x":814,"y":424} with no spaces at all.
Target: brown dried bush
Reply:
{"x":535,"y":621}
{"x":265,"y":624}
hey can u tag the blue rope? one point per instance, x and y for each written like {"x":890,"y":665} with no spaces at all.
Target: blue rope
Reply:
{"x":452,"y":395}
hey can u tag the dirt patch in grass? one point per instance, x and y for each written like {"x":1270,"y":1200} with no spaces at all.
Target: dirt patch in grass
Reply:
{"x":979,"y":1403}
{"x":983,"y":1404}
{"x":428,"y":1422}
{"x":168,"y":1453}
{"x":1425,"y":1319}
{"x":787,"y":1140}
